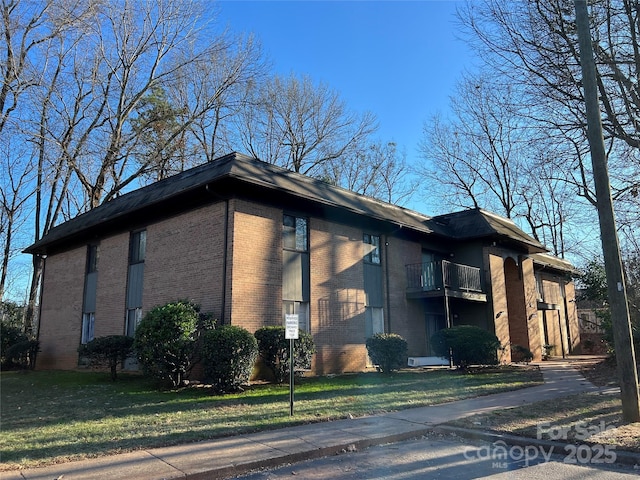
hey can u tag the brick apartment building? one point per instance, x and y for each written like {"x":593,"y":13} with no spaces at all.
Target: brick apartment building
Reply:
{"x":250,"y":242}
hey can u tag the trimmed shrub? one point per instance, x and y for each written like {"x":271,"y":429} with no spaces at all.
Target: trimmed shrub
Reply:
{"x":274,"y":351}
{"x":521,"y":354}
{"x":167,"y":341}
{"x":388,"y":351}
{"x":228,"y":355}
{"x":108,"y":352}
{"x":9,"y":336}
{"x":17,"y":350}
{"x":470,"y":345}
{"x":23,"y":354}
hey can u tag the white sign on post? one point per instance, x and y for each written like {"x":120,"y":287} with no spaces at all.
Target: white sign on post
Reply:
{"x":291,"y":326}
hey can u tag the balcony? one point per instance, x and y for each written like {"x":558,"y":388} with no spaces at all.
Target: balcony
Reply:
{"x":440,"y":278}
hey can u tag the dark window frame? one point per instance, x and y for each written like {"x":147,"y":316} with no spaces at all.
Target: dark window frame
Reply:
{"x":137,"y":246}
{"x":293,"y":231}
{"x":92,"y":258}
{"x":373,"y":256}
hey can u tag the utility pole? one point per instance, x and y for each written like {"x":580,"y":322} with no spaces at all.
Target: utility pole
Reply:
{"x":616,"y":290}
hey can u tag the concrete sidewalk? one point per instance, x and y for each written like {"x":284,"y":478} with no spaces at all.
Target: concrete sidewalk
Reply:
{"x":226,"y":457}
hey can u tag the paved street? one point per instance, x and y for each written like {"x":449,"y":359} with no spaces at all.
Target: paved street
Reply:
{"x":435,"y":458}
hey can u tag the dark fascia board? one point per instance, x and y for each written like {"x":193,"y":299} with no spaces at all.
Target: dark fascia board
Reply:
{"x":230,"y":170}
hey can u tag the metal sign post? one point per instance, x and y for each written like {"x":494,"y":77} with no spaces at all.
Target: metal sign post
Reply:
{"x":291,"y":334}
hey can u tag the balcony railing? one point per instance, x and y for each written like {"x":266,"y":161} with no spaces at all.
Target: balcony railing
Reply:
{"x":437,"y":275}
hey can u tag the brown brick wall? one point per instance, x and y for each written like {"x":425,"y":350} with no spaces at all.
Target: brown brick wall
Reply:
{"x":531,"y":307}
{"x":407,"y":317}
{"x":113,"y":254}
{"x":61,"y":310}
{"x":497,"y":284}
{"x":184,"y":259}
{"x":337,"y":297}
{"x":256,"y":290}
{"x":518,"y":328}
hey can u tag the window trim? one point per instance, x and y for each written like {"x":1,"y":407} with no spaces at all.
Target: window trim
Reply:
{"x":135,"y":315}
{"x":367,"y":239}
{"x":137,"y":254}
{"x":295,"y":232}
{"x":92,"y":258}
{"x":88,"y":327}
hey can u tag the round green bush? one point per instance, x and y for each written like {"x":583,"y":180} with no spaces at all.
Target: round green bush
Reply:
{"x":470,"y":345}
{"x":274,"y":351}
{"x":388,"y":351}
{"x":109,"y":351}
{"x":167,"y":341}
{"x":9,"y":336}
{"x":228,"y":355}
{"x":521,"y":354}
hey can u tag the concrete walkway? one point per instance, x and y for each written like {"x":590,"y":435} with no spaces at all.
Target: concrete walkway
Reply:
{"x":226,"y":457}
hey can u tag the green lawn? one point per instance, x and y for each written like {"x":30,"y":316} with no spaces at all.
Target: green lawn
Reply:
{"x":598,"y":415}
{"x":49,"y":417}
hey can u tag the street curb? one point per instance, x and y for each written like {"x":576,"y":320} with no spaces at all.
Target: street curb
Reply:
{"x":623,"y":457}
{"x":312,"y":454}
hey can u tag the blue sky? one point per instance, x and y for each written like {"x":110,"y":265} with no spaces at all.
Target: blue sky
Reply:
{"x":397,"y":59}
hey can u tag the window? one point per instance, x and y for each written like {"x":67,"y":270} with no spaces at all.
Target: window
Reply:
{"x":372,"y":248}
{"x":135,"y":280}
{"x":92,"y":258}
{"x":294,"y":233}
{"x":137,"y":247}
{"x":89,"y":295}
{"x":539,"y":288}
{"x":374,"y":323}
{"x":88,"y":322}
{"x":374,"y":318}
{"x":134,"y":315}
{"x":295,"y":270}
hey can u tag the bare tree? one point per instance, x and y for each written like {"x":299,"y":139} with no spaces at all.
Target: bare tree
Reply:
{"x":78,"y":83}
{"x":378,"y":170}
{"x":13,"y":198}
{"x":301,"y":126}
{"x":480,"y":153}
{"x":33,"y":48}
{"x":214,"y":92}
{"x":534,"y":46}
{"x":129,"y":52}
{"x":491,"y":155}
{"x":26,"y":26}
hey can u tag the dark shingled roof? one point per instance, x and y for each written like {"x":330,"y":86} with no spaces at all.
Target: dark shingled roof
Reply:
{"x":478,"y":223}
{"x":255,"y":173}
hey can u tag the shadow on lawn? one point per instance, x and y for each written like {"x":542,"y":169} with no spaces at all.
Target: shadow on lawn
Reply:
{"x":131,"y":406}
